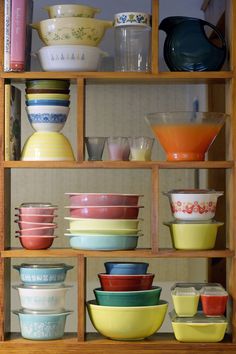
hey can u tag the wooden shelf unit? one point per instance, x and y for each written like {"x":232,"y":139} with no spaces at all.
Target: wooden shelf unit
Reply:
{"x":82,"y":342}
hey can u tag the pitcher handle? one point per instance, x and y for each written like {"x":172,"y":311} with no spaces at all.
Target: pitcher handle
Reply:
{"x":219,"y":34}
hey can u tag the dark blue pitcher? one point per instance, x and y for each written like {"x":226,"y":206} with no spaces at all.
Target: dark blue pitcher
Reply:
{"x":187,"y":47}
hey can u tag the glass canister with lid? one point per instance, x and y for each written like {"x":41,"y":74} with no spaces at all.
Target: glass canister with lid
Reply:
{"x":132,"y":41}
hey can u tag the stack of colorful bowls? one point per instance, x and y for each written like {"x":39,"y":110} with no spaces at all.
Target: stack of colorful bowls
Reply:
{"x":35,"y":221}
{"x":103,"y":221}
{"x":198,"y":314}
{"x":71,"y":36}
{"x":42,"y":297}
{"x":47,"y":107}
{"x":194,"y":210}
{"x":127,"y":306}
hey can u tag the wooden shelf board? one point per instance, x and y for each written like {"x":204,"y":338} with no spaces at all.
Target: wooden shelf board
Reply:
{"x":139,"y":253}
{"x":118,"y":164}
{"x":158,"y":343}
{"x":133,"y":76}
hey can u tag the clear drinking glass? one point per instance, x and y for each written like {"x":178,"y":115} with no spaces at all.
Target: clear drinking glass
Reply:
{"x":95,"y":147}
{"x":118,"y":148}
{"x":140,"y":148}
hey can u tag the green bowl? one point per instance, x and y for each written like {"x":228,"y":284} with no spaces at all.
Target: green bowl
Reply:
{"x":128,"y":298}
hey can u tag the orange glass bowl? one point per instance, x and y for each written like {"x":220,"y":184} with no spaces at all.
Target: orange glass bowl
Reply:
{"x":186,"y":136}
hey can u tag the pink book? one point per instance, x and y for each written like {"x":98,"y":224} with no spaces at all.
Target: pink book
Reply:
{"x":18,"y":35}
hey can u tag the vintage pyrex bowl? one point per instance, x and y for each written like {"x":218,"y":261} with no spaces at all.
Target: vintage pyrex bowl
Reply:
{"x":47,"y":96}
{"x":70,"y":58}
{"x":193,"y":235}
{"x":52,"y":84}
{"x":105,"y":212}
{"x":34,"y":225}
{"x":127,"y":323}
{"x":72,"y":30}
{"x":193,"y":204}
{"x":35,"y":242}
{"x":124,"y":282}
{"x":199,"y":328}
{"x":103,"y":242}
{"x":109,"y":232}
{"x":42,"y":297}
{"x":36,"y":325}
{"x":42,"y":274}
{"x":185,"y":301}
{"x":128,"y":298}
{"x":185,"y":136}
{"x":31,"y":209}
{"x":71,"y":10}
{"x":47,"y":102}
{"x":47,"y":146}
{"x":95,"y":199}
{"x":126,"y":267}
{"x":39,"y":231}
{"x":102,"y":224}
{"x":36,"y":218}
{"x":214,"y":300}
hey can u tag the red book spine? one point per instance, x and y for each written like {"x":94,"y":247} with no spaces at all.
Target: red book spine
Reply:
{"x":18,"y":35}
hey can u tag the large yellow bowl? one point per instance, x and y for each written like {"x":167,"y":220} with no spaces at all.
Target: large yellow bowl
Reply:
{"x":194,"y":235}
{"x":102,"y":224}
{"x":127,"y":323}
{"x":72,"y":30}
{"x":47,"y":146}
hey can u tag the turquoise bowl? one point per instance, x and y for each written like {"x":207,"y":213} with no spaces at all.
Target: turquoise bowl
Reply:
{"x":128,"y":298}
{"x":42,"y":274}
{"x":103,"y":242}
{"x":42,"y":326}
{"x":45,"y":102}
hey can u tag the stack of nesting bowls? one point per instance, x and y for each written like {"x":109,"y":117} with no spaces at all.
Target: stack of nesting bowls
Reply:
{"x":36,"y":225}
{"x":127,"y":306}
{"x":71,"y":36}
{"x":42,"y":297}
{"x":103,"y":221}
{"x":194,"y":323}
{"x":47,"y":107}
{"x":194,"y":227}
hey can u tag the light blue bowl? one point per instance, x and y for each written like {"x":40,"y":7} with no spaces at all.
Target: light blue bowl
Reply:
{"x":47,"y":103}
{"x":126,"y":267}
{"x":42,"y":274}
{"x":42,"y":326}
{"x":103,"y":242}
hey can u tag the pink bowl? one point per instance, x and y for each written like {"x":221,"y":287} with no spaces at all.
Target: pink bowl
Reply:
{"x":105,"y":199}
{"x":33,"y":225}
{"x":37,"y":211}
{"x":116,"y":282}
{"x":36,"y":242}
{"x":36,"y":218}
{"x":38,"y":231}
{"x":105,"y":212}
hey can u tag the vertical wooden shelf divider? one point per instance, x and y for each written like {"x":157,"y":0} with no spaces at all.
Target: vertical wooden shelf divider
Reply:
{"x":80,"y":118}
{"x":155,"y":37}
{"x":155,"y":210}
{"x":81,"y":290}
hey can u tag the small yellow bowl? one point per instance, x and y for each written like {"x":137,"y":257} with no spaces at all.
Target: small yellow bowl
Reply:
{"x":185,"y":301}
{"x":47,"y":146}
{"x":194,"y":235}
{"x":47,"y":96}
{"x":127,"y":323}
{"x":71,"y":10}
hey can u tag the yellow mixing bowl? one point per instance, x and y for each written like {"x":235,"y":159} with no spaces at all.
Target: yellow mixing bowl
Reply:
{"x":193,"y":235}
{"x":47,"y":146}
{"x":72,"y":30}
{"x":47,"y":96}
{"x":127,"y":323}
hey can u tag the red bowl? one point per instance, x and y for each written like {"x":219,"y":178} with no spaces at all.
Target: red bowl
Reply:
{"x":36,"y":218}
{"x":38,"y":231}
{"x":214,"y":305}
{"x":33,"y":225}
{"x":36,"y":242}
{"x":114,"y":282}
{"x":37,"y":210}
{"x":105,"y":212}
{"x":105,"y":199}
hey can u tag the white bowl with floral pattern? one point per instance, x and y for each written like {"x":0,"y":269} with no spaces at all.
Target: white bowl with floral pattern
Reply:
{"x":193,"y":204}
